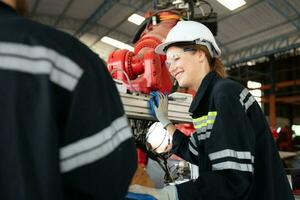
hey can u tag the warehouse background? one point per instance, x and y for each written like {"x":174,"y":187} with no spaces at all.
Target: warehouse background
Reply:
{"x":260,"y":42}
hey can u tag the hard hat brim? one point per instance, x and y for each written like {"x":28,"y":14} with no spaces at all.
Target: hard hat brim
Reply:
{"x":161,"y":49}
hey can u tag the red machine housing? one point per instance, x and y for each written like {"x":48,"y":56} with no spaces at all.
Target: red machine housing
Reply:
{"x":146,"y":70}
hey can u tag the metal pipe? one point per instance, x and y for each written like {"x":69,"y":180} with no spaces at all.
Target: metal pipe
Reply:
{"x":278,"y":85}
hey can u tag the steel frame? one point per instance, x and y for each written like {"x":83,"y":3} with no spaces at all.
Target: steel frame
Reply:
{"x":265,"y":48}
{"x":94,"y":17}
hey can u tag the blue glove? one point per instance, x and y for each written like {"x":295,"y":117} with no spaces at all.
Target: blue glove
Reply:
{"x":159,"y":107}
{"x":153,"y":102}
{"x":135,"y":196}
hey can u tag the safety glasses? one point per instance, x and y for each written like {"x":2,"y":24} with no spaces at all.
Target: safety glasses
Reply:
{"x":173,"y":57}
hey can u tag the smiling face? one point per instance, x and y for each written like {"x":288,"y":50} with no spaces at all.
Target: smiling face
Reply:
{"x":187,"y":67}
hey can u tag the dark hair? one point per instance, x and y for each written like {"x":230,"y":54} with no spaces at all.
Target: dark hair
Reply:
{"x":216,"y":65}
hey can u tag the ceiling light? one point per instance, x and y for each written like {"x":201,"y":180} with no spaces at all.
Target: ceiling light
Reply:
{"x":232,"y":4}
{"x":116,"y":43}
{"x":253,"y":84}
{"x":251,"y":63}
{"x":136,"y":19}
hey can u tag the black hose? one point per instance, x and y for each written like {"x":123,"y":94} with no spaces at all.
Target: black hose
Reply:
{"x":140,"y":30}
{"x":191,"y":9}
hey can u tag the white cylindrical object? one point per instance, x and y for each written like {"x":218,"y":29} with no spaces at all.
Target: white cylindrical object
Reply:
{"x":158,"y":138}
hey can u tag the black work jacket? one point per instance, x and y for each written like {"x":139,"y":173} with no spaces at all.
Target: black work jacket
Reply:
{"x":62,"y":125}
{"x":232,"y":146}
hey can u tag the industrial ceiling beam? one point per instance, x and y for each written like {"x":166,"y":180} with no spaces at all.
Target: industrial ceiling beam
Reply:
{"x":285,"y":10}
{"x":239,"y":10}
{"x":294,"y":9}
{"x":61,"y":16}
{"x":129,"y":4}
{"x":35,"y":6}
{"x":73,"y":24}
{"x":223,"y":47}
{"x":260,"y":31}
{"x":274,"y":45}
{"x":142,"y":4}
{"x":294,"y":20}
{"x":282,"y":99}
{"x":92,"y":20}
{"x":279,"y":85}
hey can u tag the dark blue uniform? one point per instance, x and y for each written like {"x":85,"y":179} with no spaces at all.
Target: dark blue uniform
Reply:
{"x":64,"y":134}
{"x":232,"y":146}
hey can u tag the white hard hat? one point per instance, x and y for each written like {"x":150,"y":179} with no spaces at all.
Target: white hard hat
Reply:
{"x":190,"y":31}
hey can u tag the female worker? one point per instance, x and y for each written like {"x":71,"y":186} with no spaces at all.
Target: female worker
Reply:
{"x":232,"y":146}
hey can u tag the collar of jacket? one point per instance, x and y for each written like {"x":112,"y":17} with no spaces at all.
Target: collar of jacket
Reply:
{"x":202,"y":90}
{"x":4,"y":8}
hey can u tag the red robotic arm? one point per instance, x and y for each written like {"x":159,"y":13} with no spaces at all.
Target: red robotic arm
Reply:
{"x":146,"y":70}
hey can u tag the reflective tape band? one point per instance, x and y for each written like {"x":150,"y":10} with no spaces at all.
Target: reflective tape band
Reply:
{"x":40,"y":60}
{"x":212,"y":113}
{"x":192,"y":140}
{"x":210,"y":121}
{"x":95,"y":147}
{"x":197,"y":119}
{"x":205,"y":119}
{"x":250,"y":101}
{"x":201,"y":130}
{"x":204,"y":125}
{"x":209,"y":126}
{"x":233,"y":165}
{"x":192,"y":150}
{"x":201,"y":125}
{"x":204,"y":136}
{"x":231,"y":153}
{"x":244,"y":94}
{"x":197,"y":124}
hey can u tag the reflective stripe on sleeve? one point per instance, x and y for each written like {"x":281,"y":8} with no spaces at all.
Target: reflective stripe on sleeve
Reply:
{"x":249,"y":101}
{"x":93,"y":148}
{"x":200,"y":122}
{"x":204,"y":125}
{"x":200,"y":119}
{"x":243,"y":94}
{"x":201,"y":130}
{"x":192,"y":140}
{"x":233,"y":165}
{"x":193,"y":150}
{"x":204,"y":136}
{"x":229,"y":153}
{"x":193,"y":145}
{"x":40,"y":60}
{"x":212,"y":114}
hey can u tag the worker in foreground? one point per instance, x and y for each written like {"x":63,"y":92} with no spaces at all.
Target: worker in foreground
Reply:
{"x":232,"y":146}
{"x":63,"y":131}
